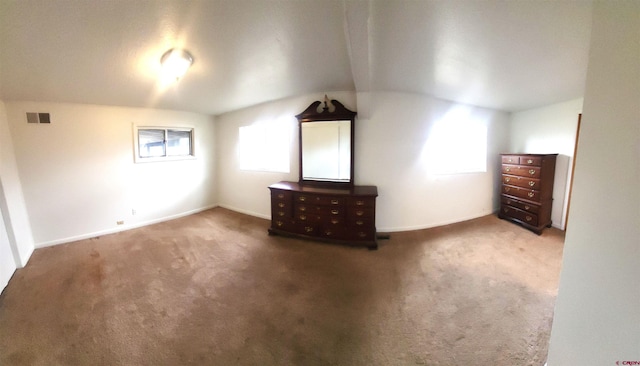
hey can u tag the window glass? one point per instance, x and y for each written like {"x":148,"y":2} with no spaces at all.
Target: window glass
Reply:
{"x":151,"y":143}
{"x":157,"y":144}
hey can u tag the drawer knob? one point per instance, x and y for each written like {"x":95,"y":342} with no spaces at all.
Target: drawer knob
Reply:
{"x":302,"y":198}
{"x":526,"y":207}
{"x":303,"y":217}
{"x":528,"y":218}
{"x":334,"y":202}
{"x":359,"y":203}
{"x":328,"y":233}
{"x":529,"y":161}
{"x":507,"y":179}
{"x":279,"y":223}
{"x":280,"y":213}
{"x":308,"y":229}
{"x":303,"y":208}
{"x":530,"y":194}
{"x":359,"y":213}
{"x":362,"y":235}
{"x":532,"y":183}
{"x":506,"y":209}
{"x":507,"y":169}
{"x":507,"y":189}
{"x":532,"y":171}
{"x":335,"y":212}
{"x":280,"y":195}
{"x":335,"y":221}
{"x":280,"y":204}
{"x":359,"y":222}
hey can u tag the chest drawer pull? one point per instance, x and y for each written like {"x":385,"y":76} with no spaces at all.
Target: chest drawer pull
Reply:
{"x":359,"y":222}
{"x":529,"y":218}
{"x":335,"y":212}
{"x":527,"y":207}
{"x":532,"y":171}
{"x":529,"y":161}
{"x":303,"y":217}
{"x":280,"y":195}
{"x":507,"y":189}
{"x":507,"y":179}
{"x":507,"y":169}
{"x":361,"y":234}
{"x":280,"y":213}
{"x":280,"y":204}
{"x":335,"y":221}
{"x":302,"y":198}
{"x":308,"y":229}
{"x":359,"y":203}
{"x":530,"y":194}
{"x":279,"y":223}
{"x":359,"y":213}
{"x":335,"y":202}
{"x":505,"y":209}
{"x":532,"y":183}
{"x":303,"y":208}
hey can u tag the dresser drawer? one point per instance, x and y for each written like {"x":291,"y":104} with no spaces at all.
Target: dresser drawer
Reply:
{"x":528,"y":194}
{"x":531,"y":160}
{"x":362,"y":235}
{"x":523,"y":171}
{"x":360,"y":222}
{"x":511,"y":159}
{"x":306,"y":228}
{"x":360,"y":212}
{"x":524,"y":182}
{"x":519,"y":204}
{"x":319,"y":199}
{"x":361,"y":202}
{"x":526,"y":217}
{"x":282,"y":223}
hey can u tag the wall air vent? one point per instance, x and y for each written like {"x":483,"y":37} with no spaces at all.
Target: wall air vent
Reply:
{"x":38,"y":117}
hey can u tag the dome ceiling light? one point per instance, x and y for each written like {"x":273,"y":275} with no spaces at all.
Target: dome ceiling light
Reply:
{"x":175,"y":63}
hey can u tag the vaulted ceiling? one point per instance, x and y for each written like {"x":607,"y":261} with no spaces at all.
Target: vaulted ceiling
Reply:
{"x":506,"y":55}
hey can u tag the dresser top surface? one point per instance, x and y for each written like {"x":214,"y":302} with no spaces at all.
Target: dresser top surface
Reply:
{"x":353,"y":191}
{"x":521,"y":154}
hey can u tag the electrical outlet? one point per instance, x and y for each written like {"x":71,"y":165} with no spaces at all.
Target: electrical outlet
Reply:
{"x":121,"y":222}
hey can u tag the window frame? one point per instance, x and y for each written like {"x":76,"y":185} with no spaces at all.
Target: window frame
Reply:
{"x":166,"y":157}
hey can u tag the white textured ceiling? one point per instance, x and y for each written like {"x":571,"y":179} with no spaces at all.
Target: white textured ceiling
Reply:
{"x":508,"y":55}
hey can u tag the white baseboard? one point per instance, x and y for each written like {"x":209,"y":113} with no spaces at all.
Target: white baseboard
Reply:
{"x":120,"y":228}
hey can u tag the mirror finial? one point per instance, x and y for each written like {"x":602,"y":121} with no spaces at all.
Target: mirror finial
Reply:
{"x":326,"y":105}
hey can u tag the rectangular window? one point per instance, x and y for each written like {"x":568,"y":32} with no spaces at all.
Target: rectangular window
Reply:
{"x":265,"y":146}
{"x":159,"y":144}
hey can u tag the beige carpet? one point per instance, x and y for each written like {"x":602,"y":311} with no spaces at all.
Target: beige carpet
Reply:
{"x":214,"y":289}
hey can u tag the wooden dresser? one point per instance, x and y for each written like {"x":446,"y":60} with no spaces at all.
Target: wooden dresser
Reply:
{"x":338,"y":215}
{"x":527,"y":189}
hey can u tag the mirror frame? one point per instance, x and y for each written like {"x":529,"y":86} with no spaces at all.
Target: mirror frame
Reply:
{"x":339,"y":113}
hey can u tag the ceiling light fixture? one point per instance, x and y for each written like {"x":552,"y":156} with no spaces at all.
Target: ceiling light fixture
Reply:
{"x":175,"y":63}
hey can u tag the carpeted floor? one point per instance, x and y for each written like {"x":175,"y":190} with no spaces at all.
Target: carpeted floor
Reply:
{"x":215,"y":289}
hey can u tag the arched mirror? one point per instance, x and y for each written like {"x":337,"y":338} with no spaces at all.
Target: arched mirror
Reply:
{"x":326,"y":144}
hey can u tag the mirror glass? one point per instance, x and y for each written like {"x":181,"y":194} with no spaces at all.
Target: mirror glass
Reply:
{"x":326,"y":151}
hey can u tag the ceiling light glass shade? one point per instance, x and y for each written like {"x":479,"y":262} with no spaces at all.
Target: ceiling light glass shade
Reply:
{"x":175,"y":63}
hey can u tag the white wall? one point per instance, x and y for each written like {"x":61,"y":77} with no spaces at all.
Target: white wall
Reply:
{"x":388,"y":153}
{"x":597,"y":316}
{"x":79,"y":177}
{"x":12,"y":204}
{"x":548,"y":130}
{"x":246,"y":191}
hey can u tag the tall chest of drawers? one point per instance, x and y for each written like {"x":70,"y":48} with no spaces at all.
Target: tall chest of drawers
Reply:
{"x":338,"y":215}
{"x":527,"y":189}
